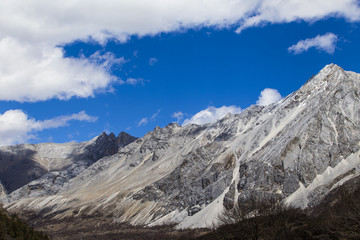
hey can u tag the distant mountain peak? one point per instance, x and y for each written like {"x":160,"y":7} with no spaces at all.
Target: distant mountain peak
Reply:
{"x":124,"y":139}
{"x":331,"y":69}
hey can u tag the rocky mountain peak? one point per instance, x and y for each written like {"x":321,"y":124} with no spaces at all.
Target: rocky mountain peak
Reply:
{"x":124,"y":139}
{"x":323,"y":86}
{"x":330,"y":69}
{"x":107,"y":145}
{"x":330,"y":74}
{"x":112,"y":136}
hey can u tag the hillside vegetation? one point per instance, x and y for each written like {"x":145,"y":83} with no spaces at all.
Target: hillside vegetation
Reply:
{"x":12,"y":227}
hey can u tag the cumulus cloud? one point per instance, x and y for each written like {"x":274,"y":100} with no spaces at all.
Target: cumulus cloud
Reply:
{"x":178,"y":115}
{"x":211,"y":114}
{"x":268,"y":96}
{"x":326,"y":43}
{"x":17,"y":127}
{"x":28,"y":73}
{"x":31,"y":32}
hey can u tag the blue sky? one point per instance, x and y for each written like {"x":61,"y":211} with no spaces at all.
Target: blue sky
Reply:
{"x":62,"y":79}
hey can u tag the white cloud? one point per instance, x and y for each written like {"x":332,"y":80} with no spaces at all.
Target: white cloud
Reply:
{"x":178,"y":115}
{"x":154,"y":116}
{"x":132,"y":81}
{"x":211,"y":114}
{"x":152,"y":61}
{"x":32,"y":30}
{"x":63,"y":21}
{"x":29,"y":73}
{"x":63,"y":120}
{"x":143,"y":122}
{"x":326,"y":43}
{"x":106,"y":60}
{"x":285,"y":11}
{"x":268,"y":96}
{"x":17,"y":127}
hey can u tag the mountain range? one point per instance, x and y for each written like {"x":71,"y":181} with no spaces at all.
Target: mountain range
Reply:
{"x":296,"y":151}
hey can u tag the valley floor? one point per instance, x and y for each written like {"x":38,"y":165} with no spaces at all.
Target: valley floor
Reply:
{"x":98,"y":228}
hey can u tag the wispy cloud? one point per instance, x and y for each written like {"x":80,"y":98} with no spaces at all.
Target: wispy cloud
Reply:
{"x":17,"y":127}
{"x":268,"y":96}
{"x":106,"y":60}
{"x":153,"y":61}
{"x":143,"y":122}
{"x":132,"y":81}
{"x":63,"y":120}
{"x":155,"y":115}
{"x":326,"y":43}
{"x":211,"y":114}
{"x":178,"y":115}
{"x":136,"y":53}
{"x":72,"y":135}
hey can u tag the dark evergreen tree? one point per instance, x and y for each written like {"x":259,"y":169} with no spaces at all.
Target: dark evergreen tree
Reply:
{"x":12,"y":227}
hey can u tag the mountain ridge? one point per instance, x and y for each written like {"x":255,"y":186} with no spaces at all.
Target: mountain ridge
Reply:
{"x":296,"y":150}
{"x":54,"y":163}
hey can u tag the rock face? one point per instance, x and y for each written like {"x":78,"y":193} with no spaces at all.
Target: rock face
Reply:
{"x":3,"y":195}
{"x":124,"y":139}
{"x":296,"y":150}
